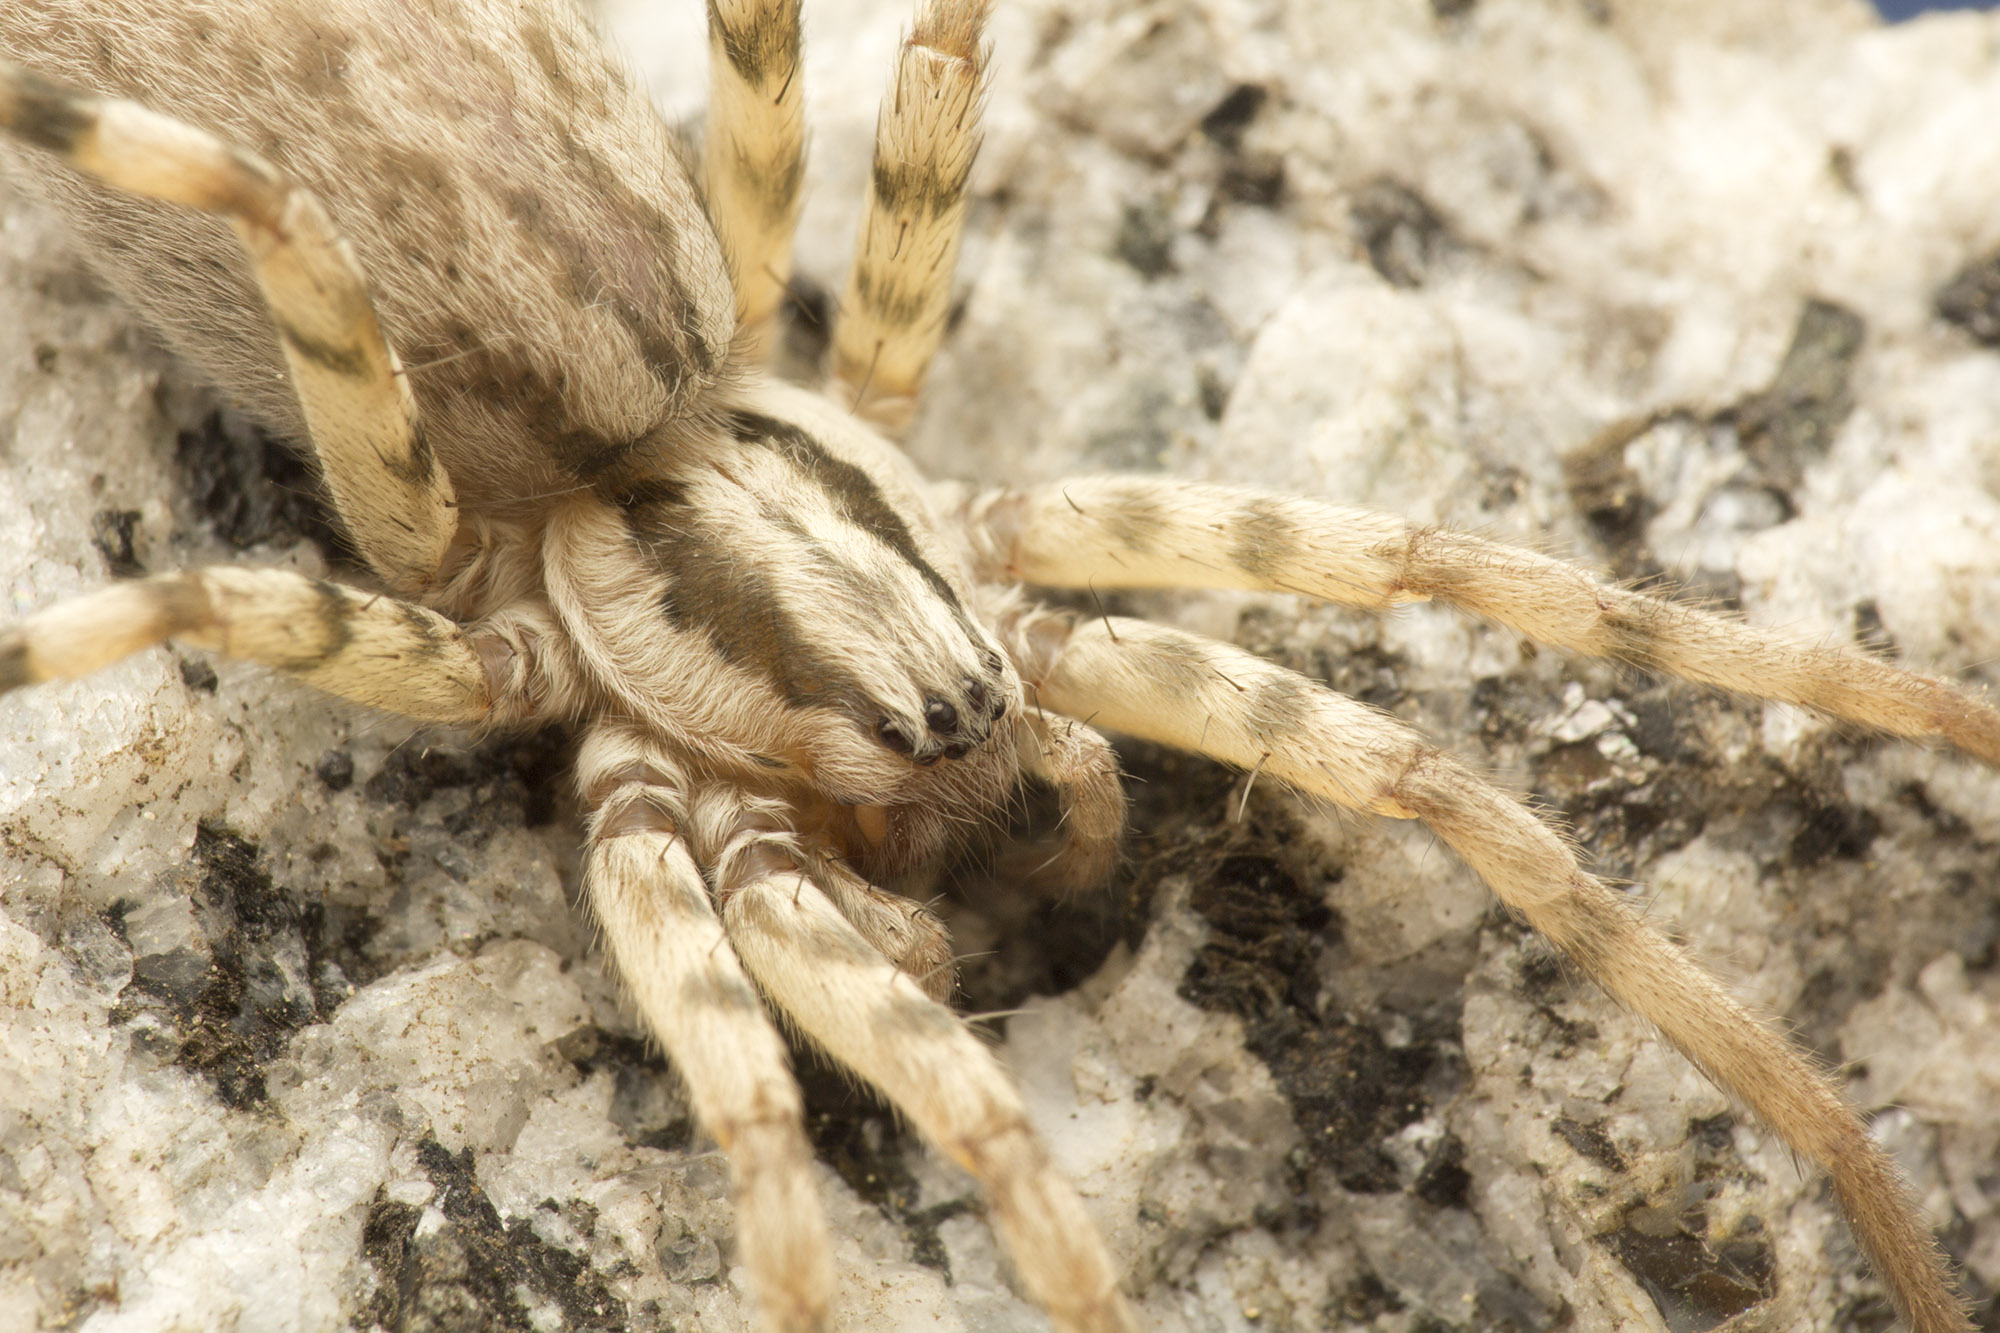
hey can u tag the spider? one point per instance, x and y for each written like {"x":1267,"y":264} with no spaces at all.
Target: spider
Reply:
{"x":752,"y":813}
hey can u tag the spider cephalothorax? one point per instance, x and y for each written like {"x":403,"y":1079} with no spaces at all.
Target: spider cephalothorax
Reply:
{"x":451,"y":248}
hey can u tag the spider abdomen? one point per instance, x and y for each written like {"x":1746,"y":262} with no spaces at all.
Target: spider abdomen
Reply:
{"x":539,"y":255}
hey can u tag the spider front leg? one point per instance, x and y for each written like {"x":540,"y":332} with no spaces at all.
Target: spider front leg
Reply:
{"x":1214,"y":699}
{"x":874,"y":1019}
{"x":669,"y":947}
{"x":650,"y":834}
{"x":1133,"y":532}
{"x":392,"y":495}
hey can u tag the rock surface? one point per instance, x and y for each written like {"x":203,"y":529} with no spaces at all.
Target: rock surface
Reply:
{"x":302,"y":1026}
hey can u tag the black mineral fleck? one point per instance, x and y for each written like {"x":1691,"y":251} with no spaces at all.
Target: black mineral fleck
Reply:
{"x":112,"y":532}
{"x":470,"y":1272}
{"x":1791,"y":422}
{"x":1971,"y":300}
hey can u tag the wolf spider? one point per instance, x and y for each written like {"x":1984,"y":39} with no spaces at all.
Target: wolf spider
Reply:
{"x":798,"y":671}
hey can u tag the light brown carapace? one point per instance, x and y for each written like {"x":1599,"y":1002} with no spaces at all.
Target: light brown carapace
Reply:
{"x":450,"y":248}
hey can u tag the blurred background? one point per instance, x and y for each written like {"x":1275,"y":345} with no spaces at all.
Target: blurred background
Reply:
{"x":1903,"y":9}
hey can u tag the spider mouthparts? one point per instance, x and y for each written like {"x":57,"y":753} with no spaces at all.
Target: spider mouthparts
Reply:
{"x":873,"y":821}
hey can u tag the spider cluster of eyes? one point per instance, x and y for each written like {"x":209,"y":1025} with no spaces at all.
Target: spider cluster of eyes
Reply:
{"x":941,"y":717}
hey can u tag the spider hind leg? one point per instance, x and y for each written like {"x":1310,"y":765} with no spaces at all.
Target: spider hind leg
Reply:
{"x":393,"y":496}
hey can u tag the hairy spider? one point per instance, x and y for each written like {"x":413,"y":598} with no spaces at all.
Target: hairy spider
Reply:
{"x":788,"y":673}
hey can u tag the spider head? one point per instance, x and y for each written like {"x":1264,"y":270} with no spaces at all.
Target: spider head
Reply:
{"x":774,"y":593}
{"x":907,"y":718}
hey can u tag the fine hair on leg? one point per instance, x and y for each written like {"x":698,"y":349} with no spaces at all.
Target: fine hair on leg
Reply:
{"x":1216,"y":699}
{"x":372,"y":649}
{"x":1143,"y":532}
{"x":393,"y":496}
{"x":892,"y":317}
{"x":753,"y":154}
{"x":875,"y":1020}
{"x":1080,"y":764}
{"x":661,"y":930}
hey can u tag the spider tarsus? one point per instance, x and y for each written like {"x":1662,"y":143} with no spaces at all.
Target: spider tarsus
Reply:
{"x":1912,"y":1264}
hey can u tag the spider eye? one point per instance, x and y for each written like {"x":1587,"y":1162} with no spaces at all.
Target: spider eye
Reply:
{"x":939,"y":715}
{"x":892,"y":736}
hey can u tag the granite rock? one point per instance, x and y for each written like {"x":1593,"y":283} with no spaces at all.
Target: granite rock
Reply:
{"x":304,"y":1026}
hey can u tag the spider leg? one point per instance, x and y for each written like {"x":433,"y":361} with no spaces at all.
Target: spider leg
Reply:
{"x":875,"y":1020}
{"x":899,"y":290}
{"x":1215,"y":699}
{"x":901,"y":929}
{"x":753,"y":157}
{"x":386,"y":654}
{"x":1083,"y":768}
{"x":1119,"y":532}
{"x":393,"y":496}
{"x":662,"y":932}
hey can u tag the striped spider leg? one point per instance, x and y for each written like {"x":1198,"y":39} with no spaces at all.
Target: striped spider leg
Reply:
{"x":862,"y":973}
{"x":381,"y":475}
{"x":385,"y":484}
{"x":1215,"y":699}
{"x":588,"y":504}
{"x":719,"y":822}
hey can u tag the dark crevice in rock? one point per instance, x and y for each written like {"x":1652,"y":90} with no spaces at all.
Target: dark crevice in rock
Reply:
{"x":513,"y":781}
{"x":857,"y":1135}
{"x":226,"y":1012}
{"x":254,"y":489}
{"x":1348,"y":1089}
{"x":469,"y":1273}
{"x":648,"y":1103}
